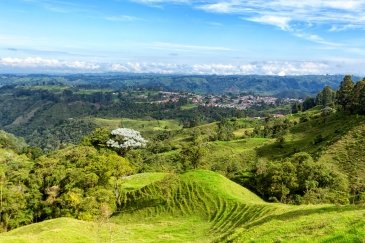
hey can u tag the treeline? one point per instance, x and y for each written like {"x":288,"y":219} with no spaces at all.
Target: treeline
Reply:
{"x":350,"y":98}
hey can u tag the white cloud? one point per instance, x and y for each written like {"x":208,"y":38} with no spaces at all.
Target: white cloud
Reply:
{"x":295,"y":16}
{"x":280,"y":21}
{"x":40,"y":65}
{"x":219,"y":7}
{"x":282,"y":12}
{"x":46,"y":64}
{"x":265,"y":68}
{"x":340,"y":28}
{"x":294,"y":68}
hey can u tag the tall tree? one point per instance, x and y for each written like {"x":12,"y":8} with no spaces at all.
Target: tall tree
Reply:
{"x":326,"y":97}
{"x":345,"y":91}
{"x":308,"y":103}
{"x":355,"y":106}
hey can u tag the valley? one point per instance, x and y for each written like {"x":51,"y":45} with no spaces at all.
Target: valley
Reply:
{"x":204,"y":174}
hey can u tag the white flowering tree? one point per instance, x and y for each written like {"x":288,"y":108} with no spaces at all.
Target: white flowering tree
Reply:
{"x":124,"y":139}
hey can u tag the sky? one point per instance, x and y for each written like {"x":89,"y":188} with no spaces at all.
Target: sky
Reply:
{"x":271,"y":37}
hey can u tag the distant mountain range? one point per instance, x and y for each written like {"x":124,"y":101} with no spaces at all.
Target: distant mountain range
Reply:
{"x":286,"y":86}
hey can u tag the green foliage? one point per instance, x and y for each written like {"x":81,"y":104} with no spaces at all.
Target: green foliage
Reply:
{"x":225,"y":130}
{"x":300,"y":180}
{"x":191,"y":155}
{"x":312,"y":157}
{"x":345,"y":92}
{"x":54,"y":118}
{"x":9,"y":141}
{"x":326,"y":97}
{"x":97,"y":138}
{"x":309,"y":103}
{"x":273,"y":127}
{"x":357,"y":99}
{"x":200,"y":206}
{"x":19,"y":193}
{"x":348,"y":155}
{"x":77,"y":180}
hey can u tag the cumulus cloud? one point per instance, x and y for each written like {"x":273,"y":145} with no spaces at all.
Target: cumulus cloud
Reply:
{"x":266,"y":68}
{"x":39,"y":65}
{"x":47,"y":64}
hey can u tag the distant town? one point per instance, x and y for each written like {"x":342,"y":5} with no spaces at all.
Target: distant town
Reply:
{"x":235,"y":101}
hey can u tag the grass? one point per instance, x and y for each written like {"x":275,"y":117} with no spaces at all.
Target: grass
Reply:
{"x":57,"y":230}
{"x":138,"y":181}
{"x":238,"y":146}
{"x":221,"y":186}
{"x":302,"y":137}
{"x":188,"y":107}
{"x":140,"y":125}
{"x":348,"y":155}
{"x":201,"y":206}
{"x":52,"y":88}
{"x":242,"y":132}
{"x":158,"y":229}
{"x":320,"y":225}
{"x":241,"y":151}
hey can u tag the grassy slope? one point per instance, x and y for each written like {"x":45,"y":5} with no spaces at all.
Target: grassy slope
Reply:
{"x":243,"y":151}
{"x":201,"y":206}
{"x":158,"y":229}
{"x":302,"y":137}
{"x":140,"y":125}
{"x":348,"y":154}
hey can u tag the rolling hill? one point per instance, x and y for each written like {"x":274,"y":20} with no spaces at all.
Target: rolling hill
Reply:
{"x":200,"y":206}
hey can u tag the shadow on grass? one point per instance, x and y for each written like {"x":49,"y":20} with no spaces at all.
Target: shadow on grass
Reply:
{"x":300,"y":213}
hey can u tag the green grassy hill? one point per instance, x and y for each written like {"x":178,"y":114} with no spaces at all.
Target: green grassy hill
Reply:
{"x":200,"y":206}
{"x":348,"y":155}
{"x":312,"y":136}
{"x":140,"y":125}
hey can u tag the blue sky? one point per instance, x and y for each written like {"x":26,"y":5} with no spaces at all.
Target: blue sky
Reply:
{"x":278,"y":37}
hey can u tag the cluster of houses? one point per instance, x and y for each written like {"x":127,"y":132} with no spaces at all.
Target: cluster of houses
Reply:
{"x":240,"y":102}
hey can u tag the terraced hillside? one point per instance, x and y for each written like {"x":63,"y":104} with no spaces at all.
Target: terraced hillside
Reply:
{"x":200,"y":206}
